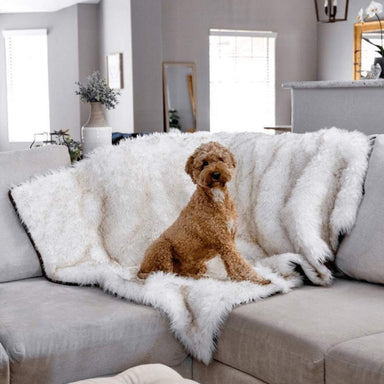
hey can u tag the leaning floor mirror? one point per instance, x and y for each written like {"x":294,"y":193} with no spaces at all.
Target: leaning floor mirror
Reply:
{"x":180,"y":101}
{"x":367,"y":37}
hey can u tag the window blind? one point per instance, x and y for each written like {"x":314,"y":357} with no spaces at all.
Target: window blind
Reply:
{"x":26,"y":54}
{"x":242,"y":80}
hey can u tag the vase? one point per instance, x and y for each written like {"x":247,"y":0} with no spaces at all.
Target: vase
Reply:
{"x":95,"y":132}
{"x":380,"y":61}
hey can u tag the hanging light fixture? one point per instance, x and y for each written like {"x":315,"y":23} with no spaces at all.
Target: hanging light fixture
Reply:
{"x":327,"y":11}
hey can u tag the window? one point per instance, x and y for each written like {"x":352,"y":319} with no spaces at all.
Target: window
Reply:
{"x":242,"y":80}
{"x":26,"y":54}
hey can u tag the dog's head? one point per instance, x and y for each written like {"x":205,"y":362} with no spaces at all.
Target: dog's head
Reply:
{"x":211,"y":165}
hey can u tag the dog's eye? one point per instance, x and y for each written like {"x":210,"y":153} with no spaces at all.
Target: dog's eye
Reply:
{"x":205,"y":163}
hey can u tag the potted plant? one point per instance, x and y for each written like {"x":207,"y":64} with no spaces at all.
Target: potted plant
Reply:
{"x":97,"y":93}
{"x":174,"y":119}
{"x":373,"y":10}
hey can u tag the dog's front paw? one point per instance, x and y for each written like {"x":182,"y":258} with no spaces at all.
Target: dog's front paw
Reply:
{"x":257,"y":279}
{"x":262,"y":281}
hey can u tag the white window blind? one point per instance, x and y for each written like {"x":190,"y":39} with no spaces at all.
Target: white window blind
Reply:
{"x":27,"y":83}
{"x":242,"y":80}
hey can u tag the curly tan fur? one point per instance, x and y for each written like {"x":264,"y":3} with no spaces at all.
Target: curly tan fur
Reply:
{"x":206,"y":227}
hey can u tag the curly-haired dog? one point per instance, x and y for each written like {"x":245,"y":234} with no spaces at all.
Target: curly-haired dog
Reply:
{"x":206,"y":227}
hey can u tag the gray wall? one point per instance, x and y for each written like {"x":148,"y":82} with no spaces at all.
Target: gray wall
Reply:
{"x":335,"y":46}
{"x":185,"y":28}
{"x":88,"y":32}
{"x":71,"y":45}
{"x":147,"y":55}
{"x":115,"y":36}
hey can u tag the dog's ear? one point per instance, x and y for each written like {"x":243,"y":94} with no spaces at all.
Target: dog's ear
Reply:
{"x":189,"y":167}
{"x":232,"y":159}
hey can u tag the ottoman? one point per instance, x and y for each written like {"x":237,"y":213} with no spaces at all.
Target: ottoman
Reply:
{"x":142,"y":374}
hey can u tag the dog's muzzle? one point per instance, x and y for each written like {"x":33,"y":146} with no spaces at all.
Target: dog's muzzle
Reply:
{"x":215,"y":175}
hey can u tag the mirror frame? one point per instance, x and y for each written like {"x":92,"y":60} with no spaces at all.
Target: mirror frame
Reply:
{"x":165,"y":91}
{"x":358,"y":30}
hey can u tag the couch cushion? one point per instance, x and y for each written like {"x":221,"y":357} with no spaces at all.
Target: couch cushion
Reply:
{"x":18,"y":259}
{"x":56,"y":333}
{"x":358,"y":361}
{"x":361,"y":253}
{"x":284,"y":338}
{"x":4,"y":366}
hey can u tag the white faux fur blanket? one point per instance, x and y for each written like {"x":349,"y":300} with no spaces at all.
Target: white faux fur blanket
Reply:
{"x":295,"y":193}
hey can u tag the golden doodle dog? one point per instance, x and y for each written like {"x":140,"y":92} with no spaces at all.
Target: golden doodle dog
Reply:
{"x":206,"y":227}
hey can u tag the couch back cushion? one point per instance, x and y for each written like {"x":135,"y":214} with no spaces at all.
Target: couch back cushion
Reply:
{"x":18,"y":259}
{"x":361,"y":253}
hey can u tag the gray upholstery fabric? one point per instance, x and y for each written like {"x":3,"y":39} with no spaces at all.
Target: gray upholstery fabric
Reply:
{"x":284,"y":338}
{"x":184,"y":368}
{"x":18,"y":259}
{"x":358,"y":361}
{"x":56,"y":334}
{"x":4,"y":366}
{"x":361,"y":253}
{"x":218,"y":373}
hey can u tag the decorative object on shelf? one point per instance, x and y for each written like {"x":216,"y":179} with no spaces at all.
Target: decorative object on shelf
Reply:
{"x":41,"y":139}
{"x":373,"y":10}
{"x":174,"y":119}
{"x":374,"y":73}
{"x":59,"y":138}
{"x":115,"y":76}
{"x":327,"y":10}
{"x":97,"y":93}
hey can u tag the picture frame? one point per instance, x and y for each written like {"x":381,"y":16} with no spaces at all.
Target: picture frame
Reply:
{"x":114,"y":64}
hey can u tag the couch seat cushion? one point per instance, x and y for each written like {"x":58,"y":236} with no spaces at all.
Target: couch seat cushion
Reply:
{"x":56,"y":333}
{"x":360,"y":360}
{"x":18,"y":259}
{"x":284,"y":339}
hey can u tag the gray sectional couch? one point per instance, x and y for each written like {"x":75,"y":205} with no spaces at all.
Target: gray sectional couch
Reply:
{"x":53,"y":333}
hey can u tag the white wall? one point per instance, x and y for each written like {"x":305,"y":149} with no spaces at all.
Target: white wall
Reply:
{"x":115,"y":36}
{"x":335,"y":45}
{"x":185,"y":28}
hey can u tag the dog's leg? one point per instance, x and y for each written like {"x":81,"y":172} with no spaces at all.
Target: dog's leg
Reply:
{"x":196,"y":272}
{"x":237,"y":268}
{"x":158,"y":257}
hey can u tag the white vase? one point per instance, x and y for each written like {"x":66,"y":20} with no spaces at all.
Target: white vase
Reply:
{"x":95,"y":132}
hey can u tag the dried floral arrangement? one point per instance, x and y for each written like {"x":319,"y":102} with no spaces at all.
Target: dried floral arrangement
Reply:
{"x":97,"y":91}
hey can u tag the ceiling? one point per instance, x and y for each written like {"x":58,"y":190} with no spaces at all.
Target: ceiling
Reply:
{"x":11,"y":6}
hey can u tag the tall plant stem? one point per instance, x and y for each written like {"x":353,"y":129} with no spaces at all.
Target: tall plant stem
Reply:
{"x":381,"y":33}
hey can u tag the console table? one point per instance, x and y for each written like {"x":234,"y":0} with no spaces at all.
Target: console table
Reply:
{"x":353,"y":105}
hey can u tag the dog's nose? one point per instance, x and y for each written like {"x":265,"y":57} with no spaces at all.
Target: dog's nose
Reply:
{"x":215,"y":175}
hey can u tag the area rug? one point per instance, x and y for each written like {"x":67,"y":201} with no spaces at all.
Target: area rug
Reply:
{"x":295,"y":194}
